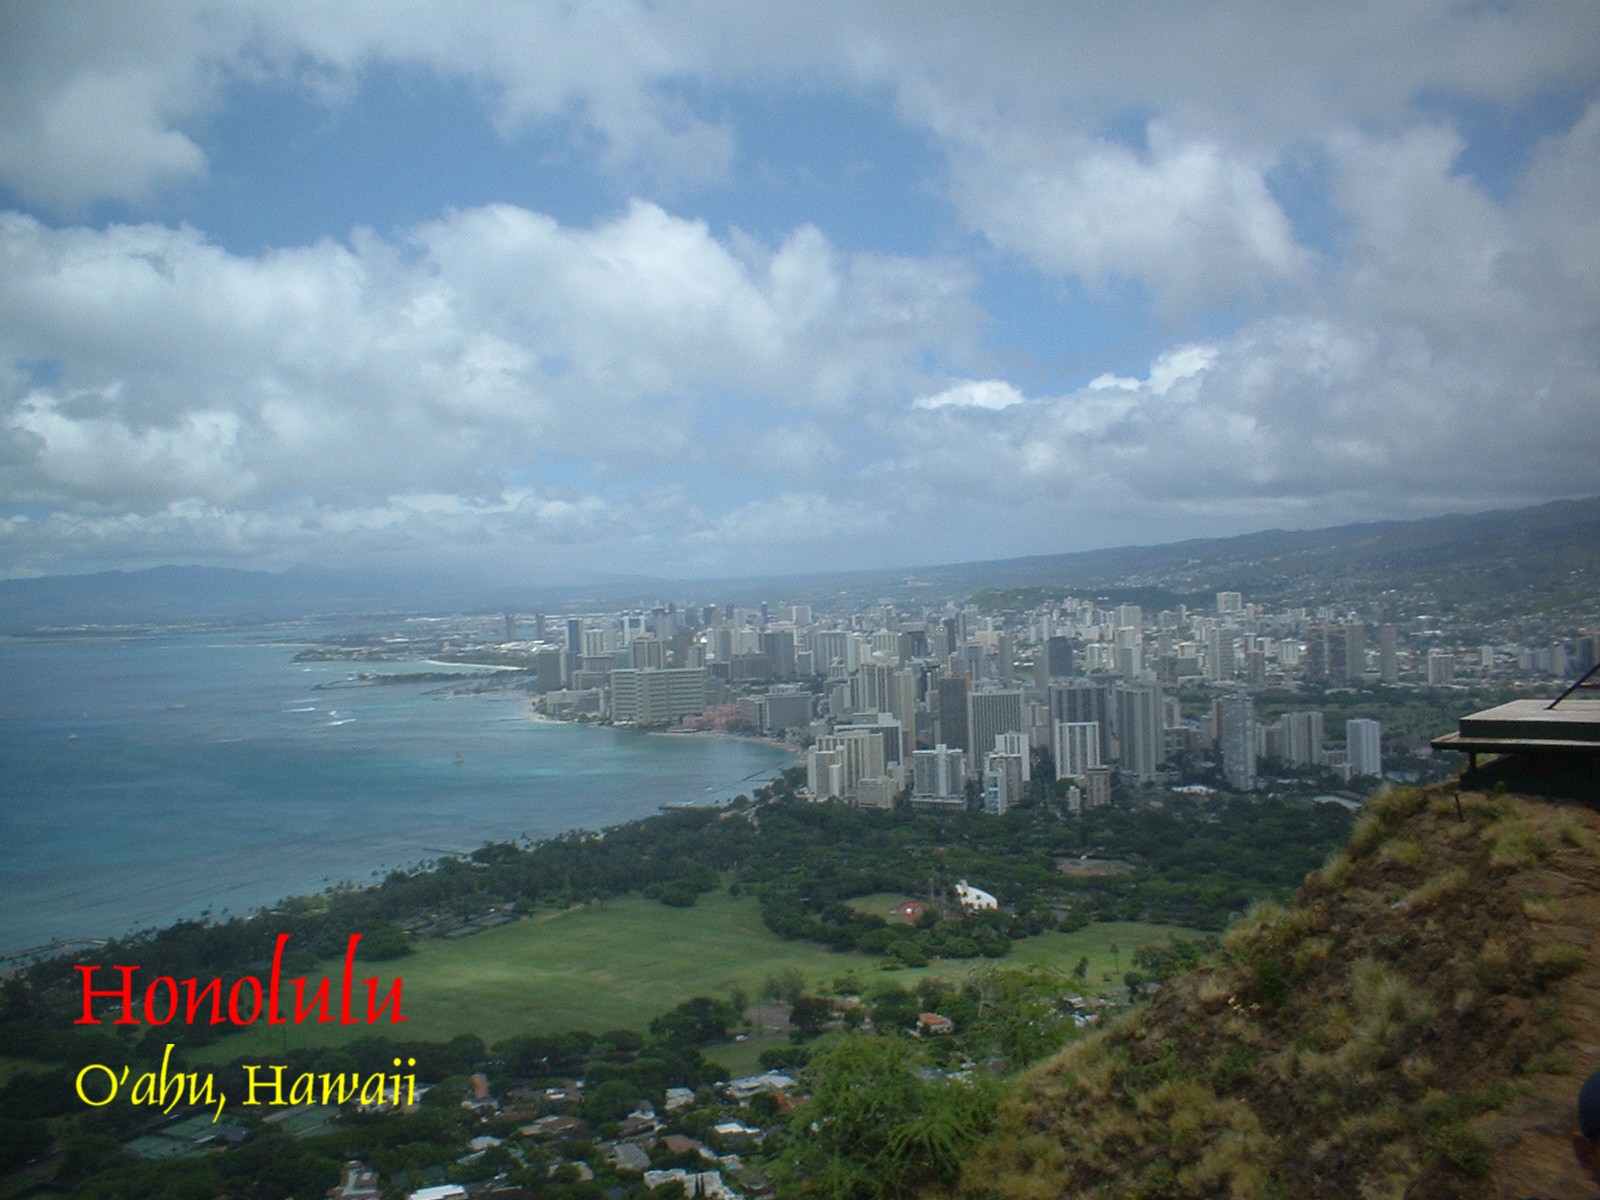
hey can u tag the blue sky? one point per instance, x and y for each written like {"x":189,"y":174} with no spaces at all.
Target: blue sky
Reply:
{"x":541,"y":292}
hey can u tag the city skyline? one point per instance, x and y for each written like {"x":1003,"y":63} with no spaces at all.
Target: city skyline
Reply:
{"x":710,"y":290}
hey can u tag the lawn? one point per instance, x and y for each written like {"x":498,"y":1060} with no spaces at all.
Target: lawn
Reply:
{"x":618,"y":963}
{"x":881,"y":904}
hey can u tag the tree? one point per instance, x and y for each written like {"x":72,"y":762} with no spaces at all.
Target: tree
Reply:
{"x":695,"y":1022}
{"x":877,"y":1130}
{"x":810,"y":1014}
{"x":788,"y":985}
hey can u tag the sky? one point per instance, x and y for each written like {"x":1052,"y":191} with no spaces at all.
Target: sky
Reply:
{"x":545,"y":293}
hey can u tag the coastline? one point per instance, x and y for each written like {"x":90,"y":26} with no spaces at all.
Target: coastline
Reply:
{"x":241,"y":796}
{"x":723,"y":734}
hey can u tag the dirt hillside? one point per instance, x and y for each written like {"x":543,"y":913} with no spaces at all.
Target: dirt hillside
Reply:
{"x":1415,"y":1024}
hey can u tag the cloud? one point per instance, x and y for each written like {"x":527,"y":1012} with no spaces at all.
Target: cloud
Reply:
{"x":457,"y":362}
{"x":982,"y":393}
{"x":1170,"y":368}
{"x":800,"y":451}
{"x":497,"y":379}
{"x":1189,"y":219}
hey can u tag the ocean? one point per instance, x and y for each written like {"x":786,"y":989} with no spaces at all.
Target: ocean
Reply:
{"x":144,"y":779}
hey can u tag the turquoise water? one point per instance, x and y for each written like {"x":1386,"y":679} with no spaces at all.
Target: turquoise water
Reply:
{"x":146,"y":779}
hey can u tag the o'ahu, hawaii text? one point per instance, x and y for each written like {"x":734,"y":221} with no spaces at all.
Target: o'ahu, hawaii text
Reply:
{"x":98,"y":1085}
{"x":165,"y":999}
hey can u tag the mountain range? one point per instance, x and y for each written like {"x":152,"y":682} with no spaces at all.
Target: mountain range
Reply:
{"x":1540,"y":559}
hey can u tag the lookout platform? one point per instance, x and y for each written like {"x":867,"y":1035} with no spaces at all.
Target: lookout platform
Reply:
{"x":1557,"y":741}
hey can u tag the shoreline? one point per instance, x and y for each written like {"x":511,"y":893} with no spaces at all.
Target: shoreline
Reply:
{"x":68,"y":882}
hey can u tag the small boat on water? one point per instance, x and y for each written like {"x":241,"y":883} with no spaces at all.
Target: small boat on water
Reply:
{"x":461,"y":759}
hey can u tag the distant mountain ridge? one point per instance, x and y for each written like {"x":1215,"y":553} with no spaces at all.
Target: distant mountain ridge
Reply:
{"x":1547,"y":557}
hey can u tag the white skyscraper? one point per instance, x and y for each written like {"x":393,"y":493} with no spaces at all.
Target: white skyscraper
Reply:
{"x":1141,"y":732}
{"x":1076,"y":746}
{"x":1364,"y":746}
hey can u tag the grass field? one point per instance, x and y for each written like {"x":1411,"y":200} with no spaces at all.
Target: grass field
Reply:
{"x":618,"y":963}
{"x":880,"y":904}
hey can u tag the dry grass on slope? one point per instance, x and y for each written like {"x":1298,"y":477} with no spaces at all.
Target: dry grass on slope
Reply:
{"x":1415,"y":1025}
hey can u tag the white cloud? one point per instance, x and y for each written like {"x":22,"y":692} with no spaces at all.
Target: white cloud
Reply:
{"x":486,"y":348}
{"x":1189,"y":218}
{"x":496,"y":375}
{"x":980,"y":393}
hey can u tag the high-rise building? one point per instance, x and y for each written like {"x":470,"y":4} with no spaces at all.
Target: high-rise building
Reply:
{"x":952,"y":711}
{"x":1005,"y":658}
{"x":1096,"y":787}
{"x":1076,"y":746}
{"x":1441,"y":668}
{"x":1355,"y":652}
{"x":829,"y":646}
{"x":874,"y":682}
{"x":1229,"y":602}
{"x":1302,"y":739}
{"x":657,"y":696}
{"x":860,"y":753}
{"x":1141,"y":729}
{"x":778,"y":646}
{"x":1388,"y":654}
{"x":1019,"y":744}
{"x":1002,"y":782}
{"x":1220,"y":643}
{"x":785,"y":708}
{"x":939,"y":778}
{"x":989,"y":714}
{"x":1058,"y":659}
{"x":884,"y":727}
{"x":1364,"y":747}
{"x":1238,"y":737}
{"x":1328,"y":653}
{"x":1079,"y":701}
{"x":825,"y":774}
{"x":647,"y":652}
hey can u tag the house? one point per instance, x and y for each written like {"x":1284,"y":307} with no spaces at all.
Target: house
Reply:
{"x":567,"y":1091}
{"x":677,"y":1143}
{"x":481,"y":1101}
{"x":357,"y":1181}
{"x":679,"y":1097}
{"x":935,"y":1025}
{"x":696,"y":1184}
{"x":555,"y":1127}
{"x":444,"y":1191}
{"x":734,"y":1131}
{"x":625,"y":1156}
{"x":742,"y":1090}
{"x":974,"y":899}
